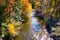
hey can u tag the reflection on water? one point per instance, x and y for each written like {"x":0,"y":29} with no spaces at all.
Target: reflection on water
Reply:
{"x":35,"y":26}
{"x":31,"y":30}
{"x":24,"y":31}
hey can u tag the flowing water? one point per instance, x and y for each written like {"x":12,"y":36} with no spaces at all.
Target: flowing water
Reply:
{"x":32,"y":30}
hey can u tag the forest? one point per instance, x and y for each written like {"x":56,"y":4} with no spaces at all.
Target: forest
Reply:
{"x":29,"y":19}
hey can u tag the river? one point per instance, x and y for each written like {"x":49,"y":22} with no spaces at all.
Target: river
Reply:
{"x":32,"y":30}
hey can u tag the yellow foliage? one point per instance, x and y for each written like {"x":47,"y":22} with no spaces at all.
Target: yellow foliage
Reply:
{"x":28,"y":10}
{"x":53,"y":3}
{"x":53,"y":15}
{"x":26,"y":7}
{"x":10,"y":28}
{"x":37,"y":4}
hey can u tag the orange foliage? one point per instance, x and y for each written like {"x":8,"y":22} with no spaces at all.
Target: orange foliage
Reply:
{"x":9,"y":5}
{"x":26,"y":7}
{"x":12,"y":2}
{"x":9,"y":8}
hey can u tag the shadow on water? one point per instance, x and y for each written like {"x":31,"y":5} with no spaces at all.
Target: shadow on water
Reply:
{"x":35,"y":26}
{"x":30,"y":29}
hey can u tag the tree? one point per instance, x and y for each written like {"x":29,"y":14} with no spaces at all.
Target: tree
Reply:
{"x":26,"y":7}
{"x":10,"y":17}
